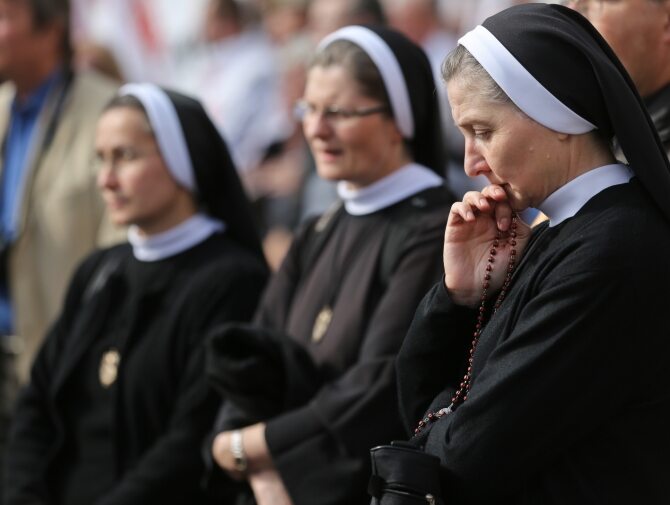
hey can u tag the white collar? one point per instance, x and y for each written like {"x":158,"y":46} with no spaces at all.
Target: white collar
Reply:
{"x":393,"y":188}
{"x":566,"y":201}
{"x":175,"y":240}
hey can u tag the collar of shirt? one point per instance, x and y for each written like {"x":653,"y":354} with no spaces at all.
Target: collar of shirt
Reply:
{"x":33,"y":103}
{"x":566,"y":201}
{"x":395,"y":187}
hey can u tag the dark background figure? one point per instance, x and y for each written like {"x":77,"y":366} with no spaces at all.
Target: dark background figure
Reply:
{"x":348,"y":287}
{"x":117,"y":403}
{"x":639,"y":33}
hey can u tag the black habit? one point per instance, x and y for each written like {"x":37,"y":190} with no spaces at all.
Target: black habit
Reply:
{"x":372,"y":270}
{"x":569,"y":402}
{"x":159,"y":408}
{"x":327,"y":440}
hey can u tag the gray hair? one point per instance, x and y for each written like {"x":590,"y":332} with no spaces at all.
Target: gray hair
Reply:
{"x":131,"y":102}
{"x":460,"y":64}
{"x":350,"y":56}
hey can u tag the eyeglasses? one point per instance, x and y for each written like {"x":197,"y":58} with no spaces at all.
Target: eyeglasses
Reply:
{"x":304,"y":111}
{"x":122,"y":156}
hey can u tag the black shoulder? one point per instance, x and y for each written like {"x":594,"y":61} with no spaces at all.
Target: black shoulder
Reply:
{"x":223,"y":259}
{"x":92,"y":263}
{"x":422,"y":212}
{"x":429,"y":201}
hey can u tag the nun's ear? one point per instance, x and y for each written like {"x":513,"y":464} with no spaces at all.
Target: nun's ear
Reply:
{"x":395,"y":133}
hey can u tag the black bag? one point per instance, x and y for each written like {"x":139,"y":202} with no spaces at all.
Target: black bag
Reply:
{"x":402,"y":474}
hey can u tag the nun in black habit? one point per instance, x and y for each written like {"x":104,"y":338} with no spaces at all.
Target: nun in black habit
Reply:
{"x":563,"y":394}
{"x":341,"y":304}
{"x":117,"y":403}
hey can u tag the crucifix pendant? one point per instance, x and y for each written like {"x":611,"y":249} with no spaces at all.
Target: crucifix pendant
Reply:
{"x":321,"y":323}
{"x":109,"y":367}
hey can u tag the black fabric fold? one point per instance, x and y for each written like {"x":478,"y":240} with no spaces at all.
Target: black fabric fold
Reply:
{"x":262,"y":372}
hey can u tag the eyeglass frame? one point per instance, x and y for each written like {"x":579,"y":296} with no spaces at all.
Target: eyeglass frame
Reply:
{"x":333,"y":115}
{"x":123,"y":156}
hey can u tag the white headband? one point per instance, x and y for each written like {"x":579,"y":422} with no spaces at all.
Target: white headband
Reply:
{"x":522,"y":88}
{"x":167,"y":129}
{"x":389,"y":68}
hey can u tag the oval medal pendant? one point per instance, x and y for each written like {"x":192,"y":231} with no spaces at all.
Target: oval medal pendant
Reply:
{"x":109,"y":367}
{"x":321,"y":323}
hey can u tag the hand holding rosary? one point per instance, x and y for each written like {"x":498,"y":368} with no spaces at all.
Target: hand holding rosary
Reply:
{"x":461,"y":393}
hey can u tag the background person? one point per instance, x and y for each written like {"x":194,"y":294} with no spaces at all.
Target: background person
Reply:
{"x":51,"y":214}
{"x":345,"y":293}
{"x":639,"y":33}
{"x":117,"y":403}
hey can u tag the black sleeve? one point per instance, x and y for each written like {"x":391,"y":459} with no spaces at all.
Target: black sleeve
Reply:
{"x":433,"y":356}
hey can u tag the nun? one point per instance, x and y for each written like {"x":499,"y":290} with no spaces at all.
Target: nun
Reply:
{"x":536,"y":370}
{"x":348,"y":288}
{"x":117,"y":404}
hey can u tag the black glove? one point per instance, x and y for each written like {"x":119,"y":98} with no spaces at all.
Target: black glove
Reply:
{"x":403,"y":474}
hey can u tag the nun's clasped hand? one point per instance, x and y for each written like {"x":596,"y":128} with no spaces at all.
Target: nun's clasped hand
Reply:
{"x":471,"y":229}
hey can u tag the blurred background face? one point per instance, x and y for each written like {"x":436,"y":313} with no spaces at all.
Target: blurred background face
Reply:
{"x":326,"y":16}
{"x":357,"y":149}
{"x":135,"y":183}
{"x":21,"y":42}
{"x":408,"y":16}
{"x":639,"y":33}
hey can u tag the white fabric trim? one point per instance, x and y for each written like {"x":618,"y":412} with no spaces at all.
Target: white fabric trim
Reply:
{"x":180,"y":238}
{"x":167,"y":129}
{"x":393,"y":188}
{"x":389,"y":68}
{"x":523,"y":89}
{"x":566,"y":201}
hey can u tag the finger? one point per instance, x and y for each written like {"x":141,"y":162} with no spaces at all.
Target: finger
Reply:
{"x":503,"y":215}
{"x":477,"y":200}
{"x":494,"y":192}
{"x":497,"y":198}
{"x":461,"y":212}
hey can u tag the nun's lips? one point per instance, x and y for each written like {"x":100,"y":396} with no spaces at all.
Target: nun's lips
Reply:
{"x":329,"y":153}
{"x":115,"y":202}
